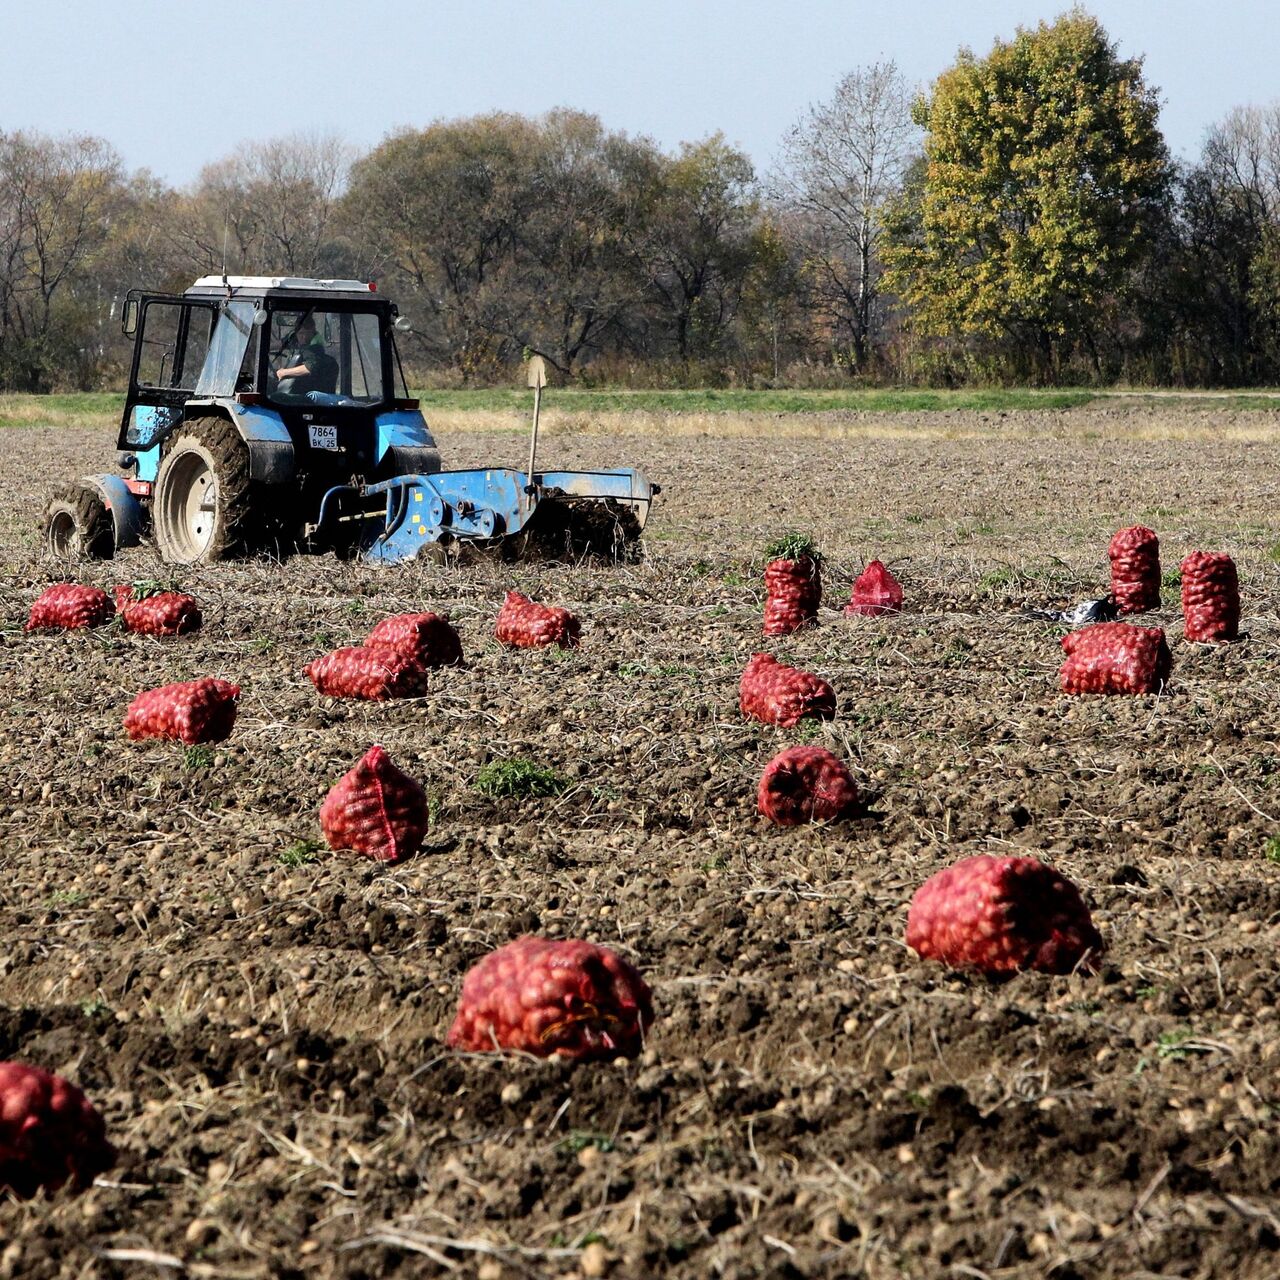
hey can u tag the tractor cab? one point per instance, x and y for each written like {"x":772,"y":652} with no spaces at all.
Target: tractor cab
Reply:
{"x":318,"y":355}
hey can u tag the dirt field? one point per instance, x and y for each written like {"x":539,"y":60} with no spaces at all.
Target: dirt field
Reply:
{"x":262,"y":1021}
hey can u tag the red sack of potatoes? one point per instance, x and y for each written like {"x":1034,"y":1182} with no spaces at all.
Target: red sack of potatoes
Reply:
{"x":167,"y":613}
{"x":778,"y":694}
{"x":1002,"y":915}
{"x":68,"y":607}
{"x":526,"y":625}
{"x":794,"y":591}
{"x":571,"y":998}
{"x":1135,"y":569}
{"x":1115,"y":657}
{"x":375,"y":809}
{"x":50,"y":1134}
{"x":875,"y":591}
{"x":193,"y":711}
{"x":1210,"y":597}
{"x":372,"y":674}
{"x":805,"y":784}
{"x":426,"y":637}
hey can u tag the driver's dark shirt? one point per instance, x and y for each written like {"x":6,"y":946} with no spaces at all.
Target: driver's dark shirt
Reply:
{"x":309,"y":353}
{"x":312,"y":356}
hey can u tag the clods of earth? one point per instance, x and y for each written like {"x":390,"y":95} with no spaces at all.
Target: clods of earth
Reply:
{"x":262,"y":1021}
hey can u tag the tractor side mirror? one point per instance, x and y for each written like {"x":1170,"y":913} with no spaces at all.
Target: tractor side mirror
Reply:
{"x":403,"y":324}
{"x":129,"y":321}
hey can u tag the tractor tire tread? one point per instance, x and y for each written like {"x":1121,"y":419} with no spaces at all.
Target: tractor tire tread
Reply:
{"x":234,"y":533}
{"x":95,"y":530}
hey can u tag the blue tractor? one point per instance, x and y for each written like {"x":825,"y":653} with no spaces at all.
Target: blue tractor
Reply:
{"x":272,"y":413}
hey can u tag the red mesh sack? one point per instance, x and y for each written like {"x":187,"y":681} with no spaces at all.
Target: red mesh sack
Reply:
{"x":526,"y":625}
{"x":805,"y":784}
{"x":50,"y":1134}
{"x":167,"y":613}
{"x":375,"y":809}
{"x":1002,"y":915}
{"x":68,"y":607}
{"x":1115,"y":657}
{"x":372,"y":674}
{"x":571,"y":998}
{"x":782,"y":695}
{"x":1135,"y":569}
{"x":191,"y":712}
{"x":427,"y":637}
{"x":1210,"y":597}
{"x":875,"y":591}
{"x":794,"y":591}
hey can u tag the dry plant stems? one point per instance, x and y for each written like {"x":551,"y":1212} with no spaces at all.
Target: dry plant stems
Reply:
{"x":1119,"y":421}
{"x":266,"y":1040}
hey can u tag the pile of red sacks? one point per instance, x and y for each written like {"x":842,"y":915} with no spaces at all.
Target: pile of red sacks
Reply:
{"x":68,"y":606}
{"x":393,"y":661}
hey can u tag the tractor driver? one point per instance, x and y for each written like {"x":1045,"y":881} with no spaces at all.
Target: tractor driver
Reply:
{"x":310,"y":362}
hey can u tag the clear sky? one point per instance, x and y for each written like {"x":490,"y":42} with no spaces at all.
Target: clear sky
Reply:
{"x":176,"y":84}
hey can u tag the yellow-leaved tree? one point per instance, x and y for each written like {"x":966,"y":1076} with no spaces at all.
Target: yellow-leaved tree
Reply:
{"x":1044,"y":175}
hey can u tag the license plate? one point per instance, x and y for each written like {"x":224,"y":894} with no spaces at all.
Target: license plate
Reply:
{"x":323,"y":437}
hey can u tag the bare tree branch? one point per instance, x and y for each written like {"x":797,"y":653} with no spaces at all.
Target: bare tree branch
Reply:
{"x":840,"y":164}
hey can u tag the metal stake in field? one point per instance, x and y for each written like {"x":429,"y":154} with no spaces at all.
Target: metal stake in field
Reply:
{"x":536,"y":377}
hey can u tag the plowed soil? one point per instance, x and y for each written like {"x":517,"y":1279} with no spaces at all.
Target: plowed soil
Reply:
{"x":262,"y":1021}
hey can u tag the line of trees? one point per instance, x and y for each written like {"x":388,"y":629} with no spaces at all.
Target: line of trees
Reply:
{"x":1020,"y":220}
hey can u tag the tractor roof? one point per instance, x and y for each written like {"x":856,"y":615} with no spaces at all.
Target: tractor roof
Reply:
{"x":280,"y":285}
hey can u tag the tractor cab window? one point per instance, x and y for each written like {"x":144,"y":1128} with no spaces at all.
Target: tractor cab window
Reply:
{"x":171,"y":352}
{"x":172,"y":345}
{"x":325,"y":357}
{"x":363,"y":376}
{"x":233,"y":339}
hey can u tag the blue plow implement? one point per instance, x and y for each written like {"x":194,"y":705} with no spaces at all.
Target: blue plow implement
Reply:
{"x":477,"y":506}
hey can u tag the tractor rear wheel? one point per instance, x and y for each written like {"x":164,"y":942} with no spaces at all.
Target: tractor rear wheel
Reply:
{"x":77,"y":525}
{"x":201,"y":509}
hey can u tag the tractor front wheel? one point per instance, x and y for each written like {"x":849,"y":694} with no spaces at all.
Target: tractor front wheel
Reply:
{"x":201,"y":508}
{"x":77,"y":525}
